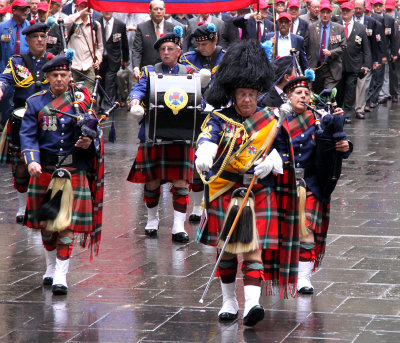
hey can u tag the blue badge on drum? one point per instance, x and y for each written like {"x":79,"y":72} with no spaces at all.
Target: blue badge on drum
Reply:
{"x":176,"y":99}
{"x":252,"y":150}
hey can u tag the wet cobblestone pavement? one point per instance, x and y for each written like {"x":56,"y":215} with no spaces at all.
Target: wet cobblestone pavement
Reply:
{"x":147,"y":290}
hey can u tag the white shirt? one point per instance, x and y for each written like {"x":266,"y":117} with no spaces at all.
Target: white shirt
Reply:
{"x":111,"y":24}
{"x":284,"y":45}
{"x":296,"y":25}
{"x":161,"y":25}
{"x":350,"y":27}
{"x":361,"y":20}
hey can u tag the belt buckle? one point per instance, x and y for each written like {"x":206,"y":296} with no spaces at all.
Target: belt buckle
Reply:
{"x":247,"y":179}
{"x":299,"y":173}
{"x":67,"y":161}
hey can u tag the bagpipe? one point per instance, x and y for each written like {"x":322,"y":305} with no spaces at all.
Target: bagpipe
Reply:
{"x":328,"y":161}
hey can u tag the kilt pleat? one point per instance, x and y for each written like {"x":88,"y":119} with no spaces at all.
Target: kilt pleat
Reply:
{"x":81,"y":207}
{"x":165,"y":162}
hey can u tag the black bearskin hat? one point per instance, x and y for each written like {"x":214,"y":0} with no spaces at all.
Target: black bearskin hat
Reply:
{"x":244,"y":65}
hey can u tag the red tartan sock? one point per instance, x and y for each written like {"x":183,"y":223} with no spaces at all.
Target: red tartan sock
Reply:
{"x":180,"y":198}
{"x":307,"y":252}
{"x":64,"y":245}
{"x":253,"y":273}
{"x":227,"y":270}
{"x":151,"y":198}
{"x":197,"y":185}
{"x":49,"y":241}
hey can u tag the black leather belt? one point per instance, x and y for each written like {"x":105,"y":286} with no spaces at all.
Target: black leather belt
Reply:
{"x":243,"y":179}
{"x":47,"y":159}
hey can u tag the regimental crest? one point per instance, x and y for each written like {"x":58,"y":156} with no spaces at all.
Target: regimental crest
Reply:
{"x":79,"y":96}
{"x":252,"y":150}
{"x":176,"y":99}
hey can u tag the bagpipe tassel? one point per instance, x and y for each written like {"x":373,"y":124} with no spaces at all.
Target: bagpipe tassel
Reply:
{"x":56,"y":207}
{"x":112,"y":135}
{"x":244,"y":237}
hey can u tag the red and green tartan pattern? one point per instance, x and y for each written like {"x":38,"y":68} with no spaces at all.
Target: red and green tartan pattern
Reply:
{"x":82,"y":203}
{"x":96,"y":184}
{"x":14,"y":158}
{"x":317,"y":220}
{"x":259,"y":120}
{"x":266,"y":211}
{"x":166,"y":162}
{"x":227,"y":270}
{"x":301,"y":123}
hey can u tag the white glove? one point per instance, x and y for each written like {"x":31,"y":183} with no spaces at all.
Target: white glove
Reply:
{"x":137,"y":111}
{"x":205,"y":77}
{"x":272,"y":162}
{"x":205,"y":155}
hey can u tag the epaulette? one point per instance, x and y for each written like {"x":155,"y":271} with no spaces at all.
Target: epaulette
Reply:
{"x":44,"y":91}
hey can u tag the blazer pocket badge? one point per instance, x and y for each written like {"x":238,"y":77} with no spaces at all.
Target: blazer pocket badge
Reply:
{"x":358,"y":40}
{"x":116,"y":37}
{"x":378,"y":37}
{"x":369,"y":32}
{"x":388,"y":31}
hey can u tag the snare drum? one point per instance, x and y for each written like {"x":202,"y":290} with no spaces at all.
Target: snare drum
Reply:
{"x":173,"y":109}
{"x":16,"y":121}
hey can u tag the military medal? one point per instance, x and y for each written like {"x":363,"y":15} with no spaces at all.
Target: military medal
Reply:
{"x":45,"y":123}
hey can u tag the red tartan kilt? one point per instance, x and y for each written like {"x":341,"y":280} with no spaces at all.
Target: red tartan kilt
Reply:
{"x":317,"y":220}
{"x":165,"y":162}
{"x":266,"y":217}
{"x":81,"y":207}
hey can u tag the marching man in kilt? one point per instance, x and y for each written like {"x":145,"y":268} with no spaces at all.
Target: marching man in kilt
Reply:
{"x":62,"y":202}
{"x":237,"y":143}
{"x":23,"y":75}
{"x":158,"y":164}
{"x":318,"y":161}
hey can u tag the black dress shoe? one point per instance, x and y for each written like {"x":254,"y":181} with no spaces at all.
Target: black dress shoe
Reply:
{"x":382,"y":101}
{"x":194,"y":218}
{"x":180,"y":237}
{"x":48,"y":281}
{"x":60,"y":290}
{"x":151,"y":232}
{"x":360,"y":115}
{"x":228,"y":317}
{"x":254,"y":316}
{"x":395,"y":98}
{"x":347,"y":120}
{"x":19,"y":219}
{"x":367,"y":109}
{"x":306,"y":290}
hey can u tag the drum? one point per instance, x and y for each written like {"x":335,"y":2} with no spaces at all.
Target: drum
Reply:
{"x":174,"y":112}
{"x":16,"y":121}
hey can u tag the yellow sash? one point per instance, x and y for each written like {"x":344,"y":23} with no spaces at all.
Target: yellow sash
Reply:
{"x":242,"y":160}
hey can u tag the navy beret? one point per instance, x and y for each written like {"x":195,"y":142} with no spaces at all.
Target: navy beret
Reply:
{"x":37,"y":27}
{"x":174,"y":37}
{"x":205,"y":32}
{"x":57,"y":63}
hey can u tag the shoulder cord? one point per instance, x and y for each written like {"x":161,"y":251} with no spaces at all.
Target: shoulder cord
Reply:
{"x":240,"y":128}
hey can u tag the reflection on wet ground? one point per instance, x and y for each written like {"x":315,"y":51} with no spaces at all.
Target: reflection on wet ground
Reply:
{"x":147,"y":290}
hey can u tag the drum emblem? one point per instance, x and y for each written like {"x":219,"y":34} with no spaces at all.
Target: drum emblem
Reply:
{"x":252,"y":150}
{"x":176,"y":99}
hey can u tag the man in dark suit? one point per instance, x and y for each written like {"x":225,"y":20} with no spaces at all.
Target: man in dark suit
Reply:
{"x":390,"y":53}
{"x":283,"y":70}
{"x":285,"y":41}
{"x":325,"y":42}
{"x":147,"y":34}
{"x":374,"y":31}
{"x":356,"y":61}
{"x":115,"y":55}
{"x":280,"y":7}
{"x":312,"y":16}
{"x":299,"y":26}
{"x":248,"y":23}
{"x":205,"y":18}
{"x":53,"y":35}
